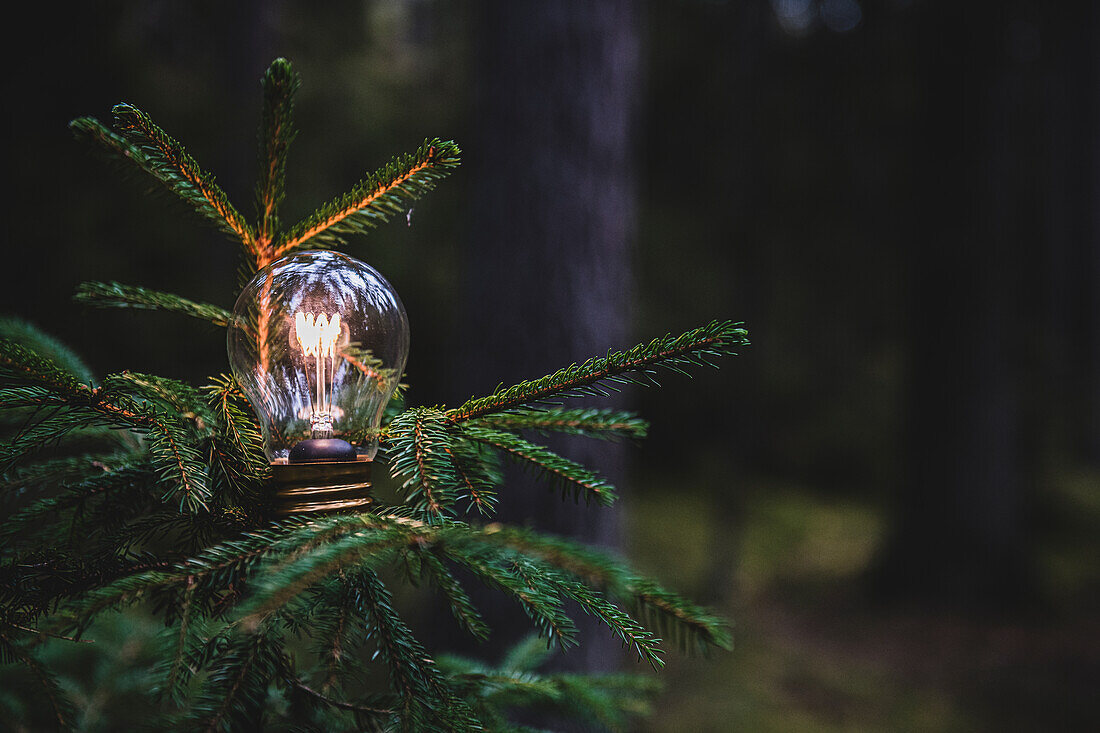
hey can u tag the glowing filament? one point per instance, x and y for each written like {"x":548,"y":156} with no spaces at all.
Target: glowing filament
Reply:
{"x":317,"y":337}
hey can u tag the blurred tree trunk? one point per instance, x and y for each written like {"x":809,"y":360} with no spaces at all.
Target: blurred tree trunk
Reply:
{"x":1089,"y":53}
{"x":961,"y":532}
{"x":549,"y":272}
{"x":1071,"y":334}
{"x":742,"y":32}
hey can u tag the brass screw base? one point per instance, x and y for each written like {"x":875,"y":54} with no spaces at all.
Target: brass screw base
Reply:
{"x":318,"y":488}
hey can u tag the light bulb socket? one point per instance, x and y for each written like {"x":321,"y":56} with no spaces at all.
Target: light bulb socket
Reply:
{"x":319,"y":488}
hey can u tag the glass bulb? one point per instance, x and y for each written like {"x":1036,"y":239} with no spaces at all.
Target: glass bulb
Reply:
{"x":318,"y":342}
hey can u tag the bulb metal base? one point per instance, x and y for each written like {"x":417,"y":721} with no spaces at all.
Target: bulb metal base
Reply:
{"x":319,"y":488}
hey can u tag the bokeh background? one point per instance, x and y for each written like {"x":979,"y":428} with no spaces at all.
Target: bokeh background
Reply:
{"x":894,"y":493}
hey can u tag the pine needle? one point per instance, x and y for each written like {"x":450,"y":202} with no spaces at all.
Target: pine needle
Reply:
{"x":375,"y":199}
{"x":166,"y":160}
{"x":280,"y":83}
{"x":566,"y":473}
{"x":637,"y":365}
{"x":116,"y":295}
{"x":589,"y":422}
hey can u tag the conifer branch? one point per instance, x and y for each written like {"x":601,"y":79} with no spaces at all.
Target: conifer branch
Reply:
{"x":177,"y":665}
{"x":121,"y":592}
{"x":56,"y":472}
{"x":461,"y":605}
{"x":117,"y":148}
{"x":338,"y":704}
{"x":597,"y":569}
{"x":544,"y":608}
{"x":233,"y":560}
{"x":590,"y":422}
{"x":560,"y":469}
{"x":171,"y":440}
{"x":333,"y":629}
{"x":58,"y":702}
{"x":105,"y":483}
{"x":46,"y":346}
{"x":276,"y":589}
{"x":20,"y":365}
{"x":234,"y":693}
{"x":173,"y":448}
{"x":420,"y":455}
{"x":610,"y":699}
{"x":237,"y":448}
{"x":170,"y":163}
{"x":632,"y":634}
{"x":280,"y":83}
{"x":90,"y":129}
{"x":427,"y":701}
{"x":187,"y":403}
{"x":18,"y":397}
{"x":116,"y":295}
{"x":40,"y":433}
{"x":637,"y":365}
{"x":478,"y":475}
{"x":214,"y":569}
{"x":374,"y":199}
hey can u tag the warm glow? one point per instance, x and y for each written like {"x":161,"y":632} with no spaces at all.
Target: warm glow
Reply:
{"x":317,"y":337}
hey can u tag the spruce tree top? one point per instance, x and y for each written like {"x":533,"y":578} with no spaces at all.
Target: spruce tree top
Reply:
{"x":141,"y":491}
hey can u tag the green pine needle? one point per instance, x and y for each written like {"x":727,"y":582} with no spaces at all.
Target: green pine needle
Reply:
{"x":426,"y":700}
{"x":375,"y":199}
{"x":285,"y":581}
{"x":236,"y":450}
{"x":234,"y":694}
{"x":168,"y":162}
{"x":116,"y":295}
{"x":47,"y":683}
{"x":570,"y":475}
{"x":420,"y":455}
{"x":538,"y":600}
{"x":459,"y":601}
{"x":612,"y":700}
{"x":637,"y":365}
{"x":589,"y":422}
{"x":83,"y":481}
{"x":41,"y":343}
{"x":695,"y":628}
{"x":280,"y":83}
{"x":20,"y":365}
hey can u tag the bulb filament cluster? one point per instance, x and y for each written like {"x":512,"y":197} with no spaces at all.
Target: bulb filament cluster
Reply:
{"x":317,"y":336}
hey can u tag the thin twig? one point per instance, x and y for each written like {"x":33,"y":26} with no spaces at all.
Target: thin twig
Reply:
{"x":341,"y":704}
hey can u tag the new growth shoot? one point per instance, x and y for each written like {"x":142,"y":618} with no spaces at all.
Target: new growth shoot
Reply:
{"x":317,"y":337}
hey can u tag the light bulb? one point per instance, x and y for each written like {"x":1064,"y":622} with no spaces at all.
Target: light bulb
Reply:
{"x":318,"y":342}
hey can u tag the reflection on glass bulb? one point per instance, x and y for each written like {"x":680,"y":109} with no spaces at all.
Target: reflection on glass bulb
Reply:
{"x":318,"y":342}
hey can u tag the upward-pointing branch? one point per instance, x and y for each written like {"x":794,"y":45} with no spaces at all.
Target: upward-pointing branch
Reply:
{"x":280,"y":83}
{"x":376,"y":198}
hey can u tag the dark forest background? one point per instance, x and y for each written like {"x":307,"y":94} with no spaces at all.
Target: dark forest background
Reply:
{"x":895,"y":493}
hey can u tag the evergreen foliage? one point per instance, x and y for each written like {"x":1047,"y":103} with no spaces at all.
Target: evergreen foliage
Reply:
{"x":137,"y":491}
{"x":116,"y":295}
